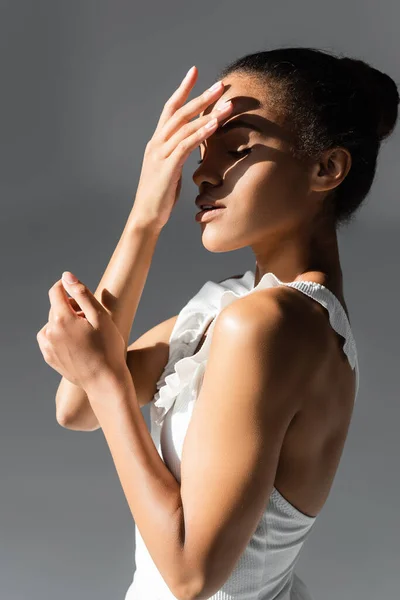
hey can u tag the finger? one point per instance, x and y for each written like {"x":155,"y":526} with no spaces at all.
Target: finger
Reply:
{"x":197,"y":126}
{"x":44,"y":344}
{"x":41,"y":333}
{"x":73,"y":304}
{"x":186,"y":112}
{"x":177,"y":99}
{"x":187,"y":145}
{"x":92,"y":308}
{"x":59,"y":304}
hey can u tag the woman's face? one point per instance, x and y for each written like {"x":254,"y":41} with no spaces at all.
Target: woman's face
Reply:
{"x":265,"y":190}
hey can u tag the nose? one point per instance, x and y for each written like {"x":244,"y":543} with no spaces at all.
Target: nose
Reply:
{"x":206,"y":174}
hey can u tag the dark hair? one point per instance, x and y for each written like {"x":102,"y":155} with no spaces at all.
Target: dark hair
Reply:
{"x":329,"y":101}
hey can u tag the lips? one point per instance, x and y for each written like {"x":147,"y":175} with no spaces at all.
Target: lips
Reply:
{"x":203,"y":216}
{"x":202,"y":200}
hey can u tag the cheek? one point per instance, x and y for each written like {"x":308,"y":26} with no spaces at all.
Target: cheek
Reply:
{"x":258,"y":189}
{"x":266,"y":196}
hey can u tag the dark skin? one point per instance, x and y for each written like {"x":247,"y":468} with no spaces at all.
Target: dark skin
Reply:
{"x":285,"y":387}
{"x":273,"y":201}
{"x":274,"y":205}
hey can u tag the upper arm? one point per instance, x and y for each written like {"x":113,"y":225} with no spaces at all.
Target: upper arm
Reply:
{"x":147,"y":357}
{"x":231,"y":450}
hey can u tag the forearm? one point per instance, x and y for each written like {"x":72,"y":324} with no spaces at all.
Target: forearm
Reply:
{"x":151,"y":490}
{"x":119,"y":291}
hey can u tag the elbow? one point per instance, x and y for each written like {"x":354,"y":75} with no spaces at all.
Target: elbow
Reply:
{"x":192,"y":575}
{"x":191,"y":591}
{"x":75,"y":424}
{"x":61,"y":419}
{"x":64,"y":422}
{"x":81,"y":419}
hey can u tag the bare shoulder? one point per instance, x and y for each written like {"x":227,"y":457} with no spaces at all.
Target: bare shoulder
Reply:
{"x":285,"y":311}
{"x":286,"y":334}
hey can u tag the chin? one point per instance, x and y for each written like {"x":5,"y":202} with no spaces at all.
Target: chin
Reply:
{"x":217,"y":240}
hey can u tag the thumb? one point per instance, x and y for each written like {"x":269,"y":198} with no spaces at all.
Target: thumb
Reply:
{"x":83,"y":297}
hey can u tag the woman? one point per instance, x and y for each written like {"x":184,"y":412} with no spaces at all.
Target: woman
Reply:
{"x":267,"y":359}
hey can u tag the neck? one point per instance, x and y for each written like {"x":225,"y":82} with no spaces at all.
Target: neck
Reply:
{"x":303,"y":257}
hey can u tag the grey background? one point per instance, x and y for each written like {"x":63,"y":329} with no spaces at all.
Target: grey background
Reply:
{"x":82,"y":87}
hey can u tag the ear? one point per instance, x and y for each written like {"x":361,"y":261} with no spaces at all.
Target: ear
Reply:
{"x":331,"y":169}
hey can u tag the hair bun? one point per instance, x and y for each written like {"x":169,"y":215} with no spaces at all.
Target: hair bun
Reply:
{"x":381,"y":90}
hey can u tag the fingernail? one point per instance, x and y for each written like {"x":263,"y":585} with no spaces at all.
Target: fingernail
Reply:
{"x":225,"y":105}
{"x":69,"y":277}
{"x":189,"y":72}
{"x":215,"y":86}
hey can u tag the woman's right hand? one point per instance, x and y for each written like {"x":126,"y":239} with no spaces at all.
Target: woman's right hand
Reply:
{"x":175,"y":137}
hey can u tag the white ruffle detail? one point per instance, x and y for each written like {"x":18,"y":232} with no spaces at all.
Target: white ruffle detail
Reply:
{"x":184,"y":368}
{"x":179,"y":372}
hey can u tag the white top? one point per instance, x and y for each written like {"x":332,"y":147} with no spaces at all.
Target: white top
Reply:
{"x":265,"y":570}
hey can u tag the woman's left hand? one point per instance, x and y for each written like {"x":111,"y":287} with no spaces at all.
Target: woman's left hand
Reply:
{"x":83,"y":347}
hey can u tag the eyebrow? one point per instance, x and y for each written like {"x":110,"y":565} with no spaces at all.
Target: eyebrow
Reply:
{"x":237,"y":123}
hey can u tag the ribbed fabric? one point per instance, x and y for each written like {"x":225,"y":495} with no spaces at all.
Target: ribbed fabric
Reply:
{"x":265,"y":570}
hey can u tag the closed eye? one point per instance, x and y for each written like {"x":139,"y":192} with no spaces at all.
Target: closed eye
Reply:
{"x":234,"y":153}
{"x":239,"y":153}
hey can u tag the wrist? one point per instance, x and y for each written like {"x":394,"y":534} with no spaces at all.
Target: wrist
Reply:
{"x":109,"y":382}
{"x":139,"y":221}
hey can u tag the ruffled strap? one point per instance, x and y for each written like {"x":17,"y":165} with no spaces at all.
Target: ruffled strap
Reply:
{"x":337,"y":318}
{"x":182,"y":367}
